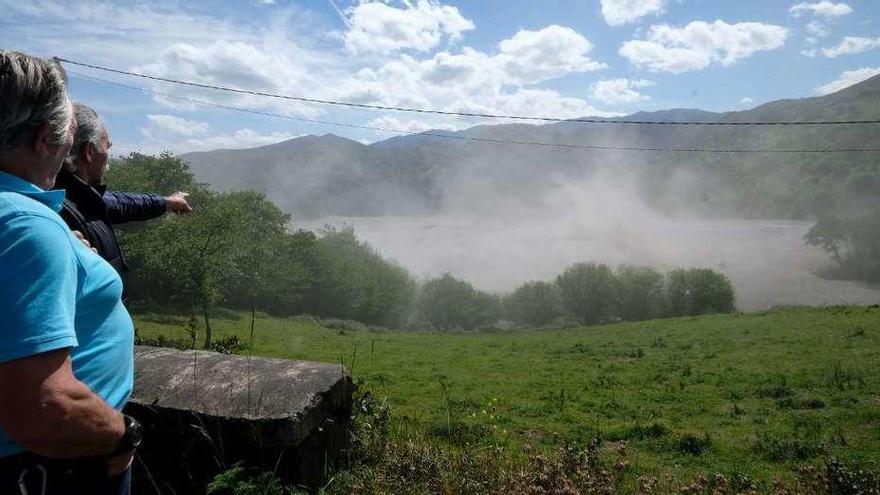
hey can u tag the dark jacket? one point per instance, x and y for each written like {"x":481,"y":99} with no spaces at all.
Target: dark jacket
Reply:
{"x":93,"y":211}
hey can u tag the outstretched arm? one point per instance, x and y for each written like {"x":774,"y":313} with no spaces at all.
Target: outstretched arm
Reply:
{"x":134,"y":207}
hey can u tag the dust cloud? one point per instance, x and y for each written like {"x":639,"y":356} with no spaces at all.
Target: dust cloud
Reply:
{"x":497,"y":242}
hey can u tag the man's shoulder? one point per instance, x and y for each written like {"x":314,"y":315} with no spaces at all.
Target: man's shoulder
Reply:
{"x":13,"y":204}
{"x":21,"y":210}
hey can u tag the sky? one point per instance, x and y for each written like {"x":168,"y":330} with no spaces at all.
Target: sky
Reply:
{"x":559,"y":58}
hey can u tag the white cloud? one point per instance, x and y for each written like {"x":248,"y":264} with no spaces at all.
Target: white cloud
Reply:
{"x":533,"y":56}
{"x":184,"y":44}
{"x":620,"y":90}
{"x":851,"y":45}
{"x":377,"y":27}
{"x":619,"y":12}
{"x":746,"y":101}
{"x":700,"y":44}
{"x":812,"y":52}
{"x":167,"y":132}
{"x":408,"y":125}
{"x":242,"y":138}
{"x":293,"y":54}
{"x":259,"y":67}
{"x":817,"y":29}
{"x":477,"y":82}
{"x":165,"y":127}
{"x":847,"y":79}
{"x":823,"y":8}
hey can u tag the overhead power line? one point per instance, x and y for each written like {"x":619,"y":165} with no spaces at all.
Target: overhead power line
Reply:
{"x":303,"y":99}
{"x":470,"y":138}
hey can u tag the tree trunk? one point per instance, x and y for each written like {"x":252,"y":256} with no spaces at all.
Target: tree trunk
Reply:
{"x":209,"y":334}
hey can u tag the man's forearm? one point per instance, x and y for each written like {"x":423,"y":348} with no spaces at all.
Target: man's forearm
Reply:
{"x":49,"y":412}
{"x":75,"y":422}
{"x":69,"y":422}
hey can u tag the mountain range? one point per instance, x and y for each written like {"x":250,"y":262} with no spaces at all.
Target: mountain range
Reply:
{"x":316,"y":176}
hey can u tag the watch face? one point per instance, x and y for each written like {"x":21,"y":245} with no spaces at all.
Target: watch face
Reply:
{"x":136,"y":431}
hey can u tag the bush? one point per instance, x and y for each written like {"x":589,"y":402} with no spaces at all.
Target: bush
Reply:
{"x":698,"y":291}
{"x":228,"y":345}
{"x":240,"y":481}
{"x":354,"y":282}
{"x":448,"y":303}
{"x":640,"y":291}
{"x":533,"y":303}
{"x":692,"y":445}
{"x":588,"y":292}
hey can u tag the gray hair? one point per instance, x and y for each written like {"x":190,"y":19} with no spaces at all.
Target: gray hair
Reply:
{"x":33,"y":92}
{"x":89,"y":128}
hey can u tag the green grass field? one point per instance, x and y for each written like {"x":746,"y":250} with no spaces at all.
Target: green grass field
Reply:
{"x":753,"y":394}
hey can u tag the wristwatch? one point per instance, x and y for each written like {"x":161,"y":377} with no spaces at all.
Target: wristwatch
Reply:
{"x":132,"y":438}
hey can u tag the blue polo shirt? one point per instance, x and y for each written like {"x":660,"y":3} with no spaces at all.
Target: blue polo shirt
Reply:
{"x":56,"y":293}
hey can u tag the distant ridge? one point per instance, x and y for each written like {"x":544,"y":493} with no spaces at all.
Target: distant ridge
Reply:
{"x":314,"y":176}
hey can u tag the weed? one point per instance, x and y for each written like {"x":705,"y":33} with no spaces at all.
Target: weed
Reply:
{"x":228,"y":345}
{"x":636,"y":353}
{"x":842,"y":379}
{"x":777,"y":389}
{"x":642,"y":432}
{"x":691,"y":444}
{"x":783,"y":447}
{"x":794,"y":403}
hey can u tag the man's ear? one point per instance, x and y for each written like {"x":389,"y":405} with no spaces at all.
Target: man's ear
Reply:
{"x":43,"y":144}
{"x":88,"y":151}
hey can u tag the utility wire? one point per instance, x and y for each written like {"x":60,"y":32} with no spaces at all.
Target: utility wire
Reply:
{"x":469,"y":138}
{"x":458,"y":114}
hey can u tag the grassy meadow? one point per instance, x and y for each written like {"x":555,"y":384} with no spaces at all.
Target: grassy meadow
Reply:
{"x":752,"y":395}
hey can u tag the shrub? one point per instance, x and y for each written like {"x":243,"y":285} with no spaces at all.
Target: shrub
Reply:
{"x":228,"y":345}
{"x":692,"y":444}
{"x":784,"y":447}
{"x":533,"y":303}
{"x":588,"y":292}
{"x":240,"y":481}
{"x":697,"y":291}
{"x":448,"y":303}
{"x":640,"y":291}
{"x":354,"y":282}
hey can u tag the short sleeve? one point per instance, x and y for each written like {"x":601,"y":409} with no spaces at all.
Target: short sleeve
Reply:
{"x":38,"y":284}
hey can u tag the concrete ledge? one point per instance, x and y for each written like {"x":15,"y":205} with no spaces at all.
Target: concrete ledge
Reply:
{"x":203,"y":412}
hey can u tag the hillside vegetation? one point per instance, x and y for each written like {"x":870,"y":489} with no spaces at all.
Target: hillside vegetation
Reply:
{"x":752,"y":397}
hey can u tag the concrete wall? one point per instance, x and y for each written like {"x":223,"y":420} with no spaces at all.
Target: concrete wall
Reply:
{"x":203,"y":412}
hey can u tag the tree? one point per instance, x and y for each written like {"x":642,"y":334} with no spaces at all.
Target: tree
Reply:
{"x":448,"y":303}
{"x":163,"y":174}
{"x":355,"y":282}
{"x":533,"y":303}
{"x":697,"y":291}
{"x":832,"y":234}
{"x":641,"y":292}
{"x":588,"y":292}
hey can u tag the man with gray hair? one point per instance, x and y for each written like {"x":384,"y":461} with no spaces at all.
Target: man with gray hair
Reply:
{"x":89,"y":208}
{"x":66,"y":352}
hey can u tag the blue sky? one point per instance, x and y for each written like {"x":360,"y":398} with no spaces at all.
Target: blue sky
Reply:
{"x":560,"y":58}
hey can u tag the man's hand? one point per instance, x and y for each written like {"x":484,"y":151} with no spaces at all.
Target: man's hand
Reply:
{"x":118,"y":464}
{"x":177,"y":203}
{"x":82,"y":239}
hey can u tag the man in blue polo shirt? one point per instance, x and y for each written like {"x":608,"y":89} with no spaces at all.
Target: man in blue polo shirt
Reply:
{"x":66,"y":340}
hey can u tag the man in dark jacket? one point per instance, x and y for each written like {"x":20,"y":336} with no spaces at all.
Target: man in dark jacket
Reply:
{"x":88,"y":207}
